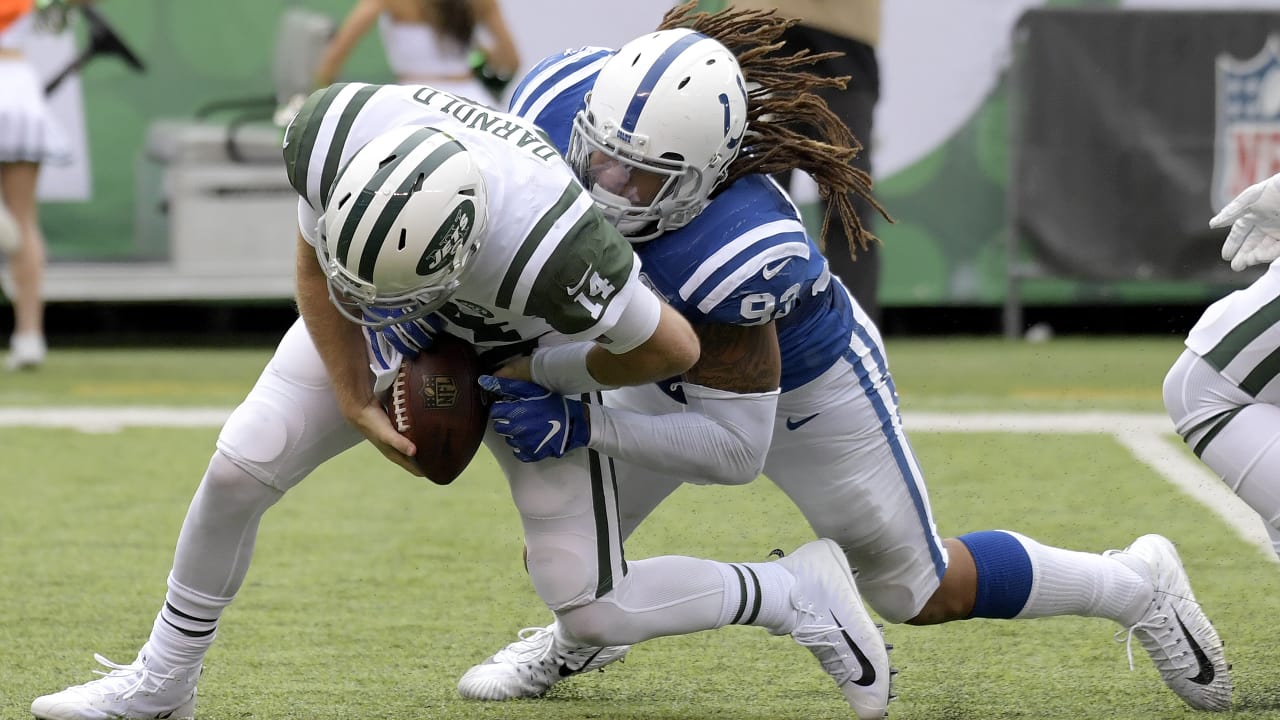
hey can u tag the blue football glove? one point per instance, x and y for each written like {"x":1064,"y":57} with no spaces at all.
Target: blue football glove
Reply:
{"x":409,"y":338}
{"x":536,"y":422}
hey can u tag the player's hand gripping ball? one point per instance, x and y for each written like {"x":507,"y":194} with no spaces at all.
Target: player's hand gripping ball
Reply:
{"x":436,"y":402}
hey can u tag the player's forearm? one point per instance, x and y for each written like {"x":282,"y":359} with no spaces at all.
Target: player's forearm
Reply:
{"x":340,"y":343}
{"x":669,"y":351}
{"x":723,"y":437}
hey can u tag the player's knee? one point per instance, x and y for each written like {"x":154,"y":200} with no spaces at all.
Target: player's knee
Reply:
{"x":232,"y":486}
{"x":563,"y":576}
{"x":255,"y":433}
{"x":893,"y":603}
{"x":257,"y":439}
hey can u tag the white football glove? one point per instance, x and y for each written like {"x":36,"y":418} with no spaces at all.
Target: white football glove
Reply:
{"x":1254,"y":217}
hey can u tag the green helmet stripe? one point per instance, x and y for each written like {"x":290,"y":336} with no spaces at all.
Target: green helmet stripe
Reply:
{"x":345,"y":121}
{"x":300,"y":138}
{"x":508,"y":287}
{"x":382,"y":226}
{"x":352,"y":221}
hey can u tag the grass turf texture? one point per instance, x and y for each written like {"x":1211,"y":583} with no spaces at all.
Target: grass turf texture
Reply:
{"x":372,"y":591}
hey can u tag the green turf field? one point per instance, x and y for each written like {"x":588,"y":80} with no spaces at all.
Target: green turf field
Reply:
{"x":372,"y":591}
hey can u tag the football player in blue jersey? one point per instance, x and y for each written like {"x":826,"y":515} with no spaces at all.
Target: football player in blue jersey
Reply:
{"x":675,"y":135}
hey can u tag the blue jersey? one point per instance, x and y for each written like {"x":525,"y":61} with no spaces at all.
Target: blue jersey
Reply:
{"x":745,"y":260}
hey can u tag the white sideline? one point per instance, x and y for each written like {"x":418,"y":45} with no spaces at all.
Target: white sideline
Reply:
{"x":1149,"y":436}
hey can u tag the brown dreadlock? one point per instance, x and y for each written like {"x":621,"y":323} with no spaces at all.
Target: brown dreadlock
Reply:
{"x":780,"y":104}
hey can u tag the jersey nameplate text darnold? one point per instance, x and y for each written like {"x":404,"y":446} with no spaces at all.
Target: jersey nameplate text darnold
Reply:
{"x":479,"y":117}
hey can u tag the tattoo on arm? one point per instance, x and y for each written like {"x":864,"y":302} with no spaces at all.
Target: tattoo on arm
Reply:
{"x":737,"y":358}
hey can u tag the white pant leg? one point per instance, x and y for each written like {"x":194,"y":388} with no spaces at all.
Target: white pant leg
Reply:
{"x":287,"y":425}
{"x":290,"y":422}
{"x":1233,"y":432}
{"x":569,"y":510}
{"x":640,"y":489}
{"x":840,"y":454}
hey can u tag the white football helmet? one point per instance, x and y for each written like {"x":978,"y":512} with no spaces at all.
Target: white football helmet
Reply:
{"x":673,"y":103}
{"x":403,"y":219}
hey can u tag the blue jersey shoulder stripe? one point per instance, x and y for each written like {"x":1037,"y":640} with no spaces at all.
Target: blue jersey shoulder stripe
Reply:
{"x":778,"y":254}
{"x":553,"y":75}
{"x":736,"y":246}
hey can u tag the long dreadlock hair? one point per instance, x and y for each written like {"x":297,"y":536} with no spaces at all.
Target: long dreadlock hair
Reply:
{"x":781,"y":103}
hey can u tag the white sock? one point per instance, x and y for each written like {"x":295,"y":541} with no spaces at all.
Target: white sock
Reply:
{"x":1067,"y":582}
{"x":758,"y":594}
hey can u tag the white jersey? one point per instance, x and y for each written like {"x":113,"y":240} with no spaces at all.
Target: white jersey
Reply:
{"x":1238,"y":335}
{"x":549,"y":261}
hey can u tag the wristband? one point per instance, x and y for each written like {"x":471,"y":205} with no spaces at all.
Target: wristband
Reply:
{"x":563,"y":369}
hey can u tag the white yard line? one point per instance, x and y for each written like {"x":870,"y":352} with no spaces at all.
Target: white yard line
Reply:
{"x":1149,"y":436}
{"x":112,"y":419}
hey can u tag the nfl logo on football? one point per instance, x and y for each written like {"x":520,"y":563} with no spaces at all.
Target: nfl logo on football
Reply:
{"x":1247,"y":140}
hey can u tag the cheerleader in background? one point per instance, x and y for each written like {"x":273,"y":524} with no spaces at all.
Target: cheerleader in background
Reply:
{"x":28,"y":137}
{"x":432,"y":42}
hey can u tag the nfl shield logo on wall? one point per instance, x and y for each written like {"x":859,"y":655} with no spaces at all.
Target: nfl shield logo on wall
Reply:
{"x":1246,"y":145}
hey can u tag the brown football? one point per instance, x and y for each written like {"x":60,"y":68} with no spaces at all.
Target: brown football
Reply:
{"x":436,"y":403}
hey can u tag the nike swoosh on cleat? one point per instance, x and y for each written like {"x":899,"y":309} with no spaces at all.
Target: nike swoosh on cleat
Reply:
{"x":868,"y":676}
{"x":793,"y":424}
{"x":1206,"y":667}
{"x":566,"y":671}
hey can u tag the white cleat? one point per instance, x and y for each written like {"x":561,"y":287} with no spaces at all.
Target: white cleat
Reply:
{"x":836,"y":628}
{"x":528,"y":667}
{"x":131,"y":692}
{"x":1174,"y":630}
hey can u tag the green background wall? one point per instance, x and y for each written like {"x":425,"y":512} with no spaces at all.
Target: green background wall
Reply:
{"x":947,"y":247}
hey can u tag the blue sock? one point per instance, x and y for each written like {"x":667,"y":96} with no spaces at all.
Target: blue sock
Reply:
{"x":1004,"y":573}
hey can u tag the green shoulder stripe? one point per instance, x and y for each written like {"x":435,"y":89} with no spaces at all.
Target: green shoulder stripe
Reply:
{"x":1241,"y":335}
{"x":582,"y":276}
{"x":508,"y":287}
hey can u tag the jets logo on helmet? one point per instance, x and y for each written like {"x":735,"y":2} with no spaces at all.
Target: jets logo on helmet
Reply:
{"x":401,"y":222}
{"x":670,"y":107}
{"x":449,"y":239}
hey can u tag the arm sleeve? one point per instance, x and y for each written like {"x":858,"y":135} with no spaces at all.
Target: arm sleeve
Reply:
{"x":722,"y":439}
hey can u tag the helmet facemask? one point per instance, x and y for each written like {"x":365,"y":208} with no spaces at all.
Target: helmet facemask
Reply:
{"x":607,"y":168}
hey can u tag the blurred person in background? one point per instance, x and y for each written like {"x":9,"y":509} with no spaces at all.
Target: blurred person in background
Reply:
{"x":432,"y":42}
{"x":28,"y":137}
{"x":851,"y":27}
{"x":1222,"y":393}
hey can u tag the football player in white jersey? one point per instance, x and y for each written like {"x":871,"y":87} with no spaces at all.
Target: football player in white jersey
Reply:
{"x":412,"y":201}
{"x":1222,"y":393}
{"x":659,"y":133}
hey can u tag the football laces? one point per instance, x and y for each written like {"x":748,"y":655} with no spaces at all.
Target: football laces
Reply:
{"x":399,"y":402}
